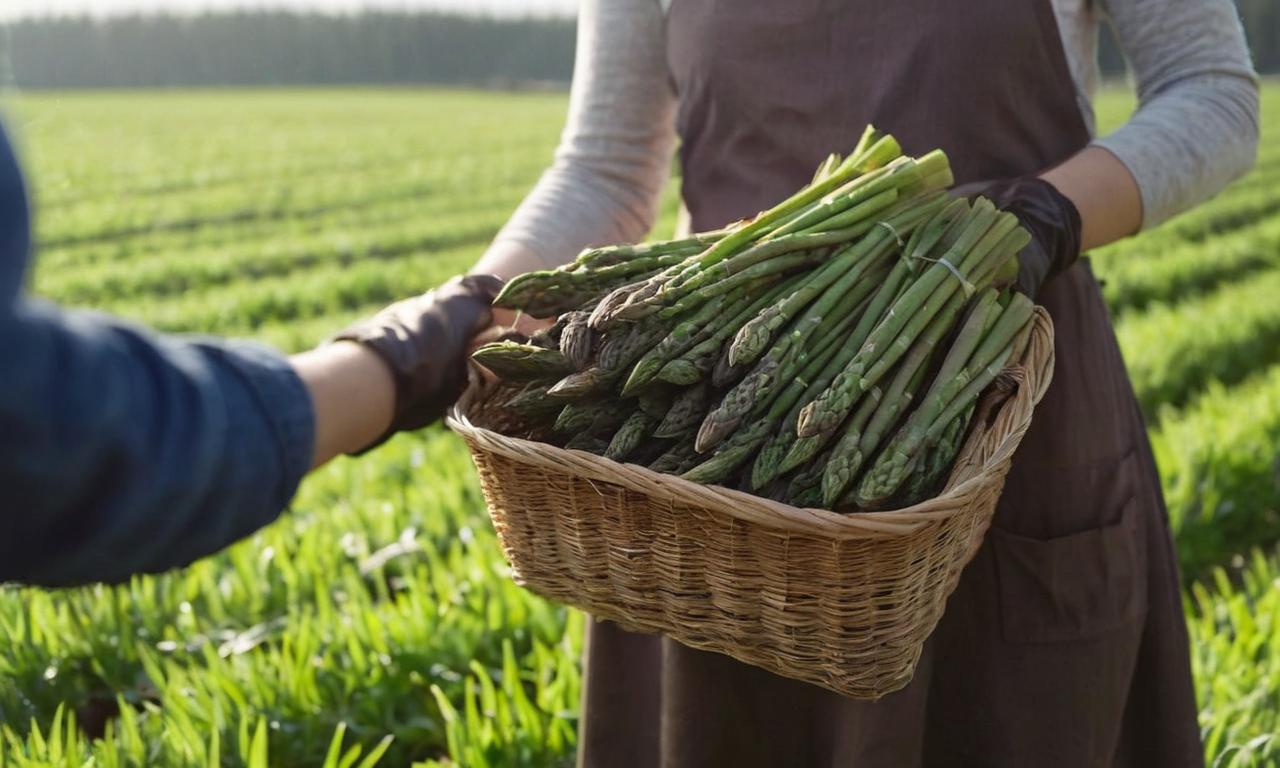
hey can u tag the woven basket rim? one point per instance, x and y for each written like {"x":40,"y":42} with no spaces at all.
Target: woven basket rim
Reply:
{"x":1032,"y":376}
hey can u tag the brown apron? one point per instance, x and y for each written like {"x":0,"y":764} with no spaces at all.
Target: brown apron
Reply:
{"x":1064,"y":643}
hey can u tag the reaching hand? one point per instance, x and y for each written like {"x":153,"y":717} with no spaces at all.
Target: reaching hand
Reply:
{"x":424,"y":341}
{"x":1051,"y":219}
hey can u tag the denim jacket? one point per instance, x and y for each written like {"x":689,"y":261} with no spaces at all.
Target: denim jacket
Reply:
{"x":122,"y":451}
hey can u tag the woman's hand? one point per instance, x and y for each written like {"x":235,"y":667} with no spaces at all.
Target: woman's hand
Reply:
{"x":398,"y":370}
{"x":1048,"y":216}
{"x":1086,"y":202}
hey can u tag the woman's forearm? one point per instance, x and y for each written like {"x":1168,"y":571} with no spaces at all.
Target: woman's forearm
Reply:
{"x":1104,"y":192}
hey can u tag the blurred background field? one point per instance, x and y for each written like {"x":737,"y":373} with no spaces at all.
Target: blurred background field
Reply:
{"x":377,"y":618}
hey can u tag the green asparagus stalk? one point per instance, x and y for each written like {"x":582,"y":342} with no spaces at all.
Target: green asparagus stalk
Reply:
{"x":532,"y":402}
{"x":878,"y":154}
{"x":514,"y":360}
{"x":697,"y":362}
{"x":689,"y":408}
{"x":590,"y":381}
{"x":577,"y":339}
{"x":799,"y":391}
{"x":779,"y":265}
{"x":784,"y":361}
{"x":586,"y":441}
{"x":789,"y":450}
{"x":844,"y":272}
{"x":743,"y":443}
{"x":629,"y":436}
{"x":860,"y":440}
{"x":580,"y":415}
{"x":928,"y":479}
{"x":909,"y":316}
{"x":730,"y":455}
{"x":944,"y":401}
{"x":679,"y":340}
{"x":611,"y":255}
{"x":805,"y":486}
{"x":859,"y":190}
{"x":678,"y":458}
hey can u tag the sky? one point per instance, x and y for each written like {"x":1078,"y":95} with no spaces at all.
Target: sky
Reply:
{"x":12,"y":9}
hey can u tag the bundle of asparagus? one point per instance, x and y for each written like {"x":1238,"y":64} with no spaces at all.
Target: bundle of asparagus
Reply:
{"x":828,"y":352}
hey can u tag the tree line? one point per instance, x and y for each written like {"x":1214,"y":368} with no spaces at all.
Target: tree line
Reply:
{"x":283,"y":48}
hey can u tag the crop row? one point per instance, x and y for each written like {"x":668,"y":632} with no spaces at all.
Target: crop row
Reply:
{"x":423,"y":231}
{"x":1235,"y":652}
{"x":239,"y":308}
{"x":232,"y":208}
{"x":1219,"y":462}
{"x":1132,"y":282}
{"x":121,"y":144}
{"x":1174,"y":350}
{"x":280,"y":171}
{"x":181,"y":244}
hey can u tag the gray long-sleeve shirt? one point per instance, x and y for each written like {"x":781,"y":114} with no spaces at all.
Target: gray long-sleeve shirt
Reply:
{"x":1196,"y":128}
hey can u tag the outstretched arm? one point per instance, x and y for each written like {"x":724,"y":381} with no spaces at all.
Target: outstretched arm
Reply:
{"x":122,"y":451}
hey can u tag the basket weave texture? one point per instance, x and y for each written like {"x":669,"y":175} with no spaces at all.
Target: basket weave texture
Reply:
{"x":841,"y":601}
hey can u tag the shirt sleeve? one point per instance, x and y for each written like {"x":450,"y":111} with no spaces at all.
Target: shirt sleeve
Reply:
{"x":122,"y":451}
{"x":1196,"y":127}
{"x":614,"y":155}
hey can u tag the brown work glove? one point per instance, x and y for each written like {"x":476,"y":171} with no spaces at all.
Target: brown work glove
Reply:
{"x":1051,"y":219}
{"x":424,"y":341}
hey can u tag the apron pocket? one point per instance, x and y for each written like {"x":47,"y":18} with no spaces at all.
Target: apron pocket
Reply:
{"x":1071,"y":587}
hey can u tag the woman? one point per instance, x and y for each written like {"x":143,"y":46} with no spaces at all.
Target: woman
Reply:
{"x":1064,"y":644}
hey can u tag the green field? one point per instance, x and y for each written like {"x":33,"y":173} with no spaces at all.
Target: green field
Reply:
{"x":376,"y":620}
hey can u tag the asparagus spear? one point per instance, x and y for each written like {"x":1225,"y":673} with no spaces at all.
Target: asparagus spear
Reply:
{"x":928,"y":479}
{"x":834,"y":282}
{"x":878,"y":154}
{"x":532,"y":402}
{"x":801,"y":390}
{"x":694,"y":364}
{"x":742,"y":444}
{"x":789,"y":450}
{"x":861,"y":439}
{"x":585,"y":441}
{"x":909,"y":316}
{"x":514,"y":360}
{"x":805,"y":487}
{"x":579,"y":416}
{"x":843,"y":272}
{"x":730,"y":455}
{"x":857,"y":191}
{"x":678,"y":458}
{"x":780,"y":264}
{"x":594,"y":380}
{"x":944,"y":401}
{"x":610,"y":255}
{"x":678,"y":340}
{"x":629,"y":436}
{"x":577,"y":339}
{"x":784,"y":361}
{"x":686,"y":411}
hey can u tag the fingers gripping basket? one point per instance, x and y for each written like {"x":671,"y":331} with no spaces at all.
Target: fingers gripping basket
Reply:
{"x":841,"y":601}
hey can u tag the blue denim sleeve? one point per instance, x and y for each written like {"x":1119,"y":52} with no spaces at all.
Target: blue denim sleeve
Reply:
{"x":122,"y":451}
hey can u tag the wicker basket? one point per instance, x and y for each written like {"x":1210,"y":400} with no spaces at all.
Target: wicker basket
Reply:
{"x":841,"y":601}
